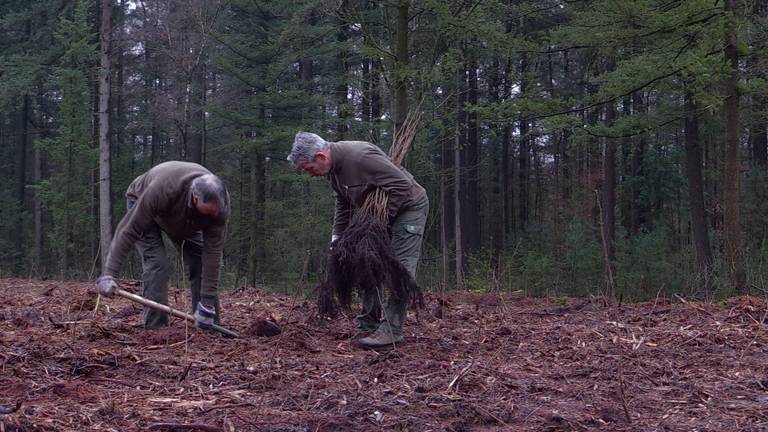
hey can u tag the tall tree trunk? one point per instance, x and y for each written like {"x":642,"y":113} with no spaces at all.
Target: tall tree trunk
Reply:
{"x":625,"y":198}
{"x":758,"y":136}
{"x":447,"y":186}
{"x":151,"y":90}
{"x":105,"y":169}
{"x":538,"y":178}
{"x":523,"y":154}
{"x":446,"y":201}
{"x":567,"y":159}
{"x":197,"y":117}
{"x":257,"y":218}
{"x":342,"y":88}
{"x":119,"y":122}
{"x":638,"y":209}
{"x":375,"y":100}
{"x":507,"y":174}
{"x":471,"y":202}
{"x":759,"y":132}
{"x":731,"y":230}
{"x":21,"y":180}
{"x":37,"y":176}
{"x":365,"y":96}
{"x":609,"y":204}
{"x":457,"y":178}
{"x":496,"y":217}
{"x":306,"y":69}
{"x":557,"y":137}
{"x":693,"y":169}
{"x":401,"y":64}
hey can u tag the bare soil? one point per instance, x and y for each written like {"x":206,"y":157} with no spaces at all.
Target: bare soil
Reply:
{"x":470,"y":363}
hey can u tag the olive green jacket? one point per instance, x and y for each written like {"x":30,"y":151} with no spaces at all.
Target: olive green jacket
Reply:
{"x":359,"y":167}
{"x":161,"y":198}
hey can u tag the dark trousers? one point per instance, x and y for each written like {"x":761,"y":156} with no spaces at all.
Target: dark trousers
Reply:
{"x":407,"y":236}
{"x":155,"y":270}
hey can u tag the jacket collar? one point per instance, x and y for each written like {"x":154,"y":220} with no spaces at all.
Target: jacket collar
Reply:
{"x":337,"y":157}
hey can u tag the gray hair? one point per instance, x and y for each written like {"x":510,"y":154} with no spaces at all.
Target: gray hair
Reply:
{"x":305,"y":148}
{"x":210,"y":188}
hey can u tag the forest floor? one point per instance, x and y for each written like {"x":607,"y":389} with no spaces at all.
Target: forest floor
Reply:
{"x":490,"y":363}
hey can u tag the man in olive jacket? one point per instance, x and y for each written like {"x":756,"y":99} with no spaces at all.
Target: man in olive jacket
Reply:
{"x":354,"y":169}
{"x":191,"y":206}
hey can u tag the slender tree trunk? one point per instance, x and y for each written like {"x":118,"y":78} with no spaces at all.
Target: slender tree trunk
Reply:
{"x":759,"y":136}
{"x":457,"y":218}
{"x":447,"y":200}
{"x":306,"y":72}
{"x":507,"y":175}
{"x":105,"y":169}
{"x":564,"y":192}
{"x":471,"y":202}
{"x":342,"y":88}
{"x":151,"y":89}
{"x":365,"y":96}
{"x":538,"y":178}
{"x":731,"y":232}
{"x":37,"y":176}
{"x":609,"y":204}
{"x":255,"y":221}
{"x":457,"y":167}
{"x":401,"y":65}
{"x":375,"y":100}
{"x":523,"y":155}
{"x":759,"y":132}
{"x":693,"y":170}
{"x":242,"y":221}
{"x":496,"y":218}
{"x":638,"y":208}
{"x":197,"y":117}
{"x":557,"y":137}
{"x":21,"y":180}
{"x":446,"y":203}
{"x":625,"y":198}
{"x":444,"y":231}
{"x":119,"y":122}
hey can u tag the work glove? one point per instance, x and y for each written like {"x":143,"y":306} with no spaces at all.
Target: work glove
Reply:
{"x":332,"y":244}
{"x":106,"y":285}
{"x":204,"y":316}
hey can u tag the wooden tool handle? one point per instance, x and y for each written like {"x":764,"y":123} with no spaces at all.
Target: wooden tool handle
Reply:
{"x":170,"y":310}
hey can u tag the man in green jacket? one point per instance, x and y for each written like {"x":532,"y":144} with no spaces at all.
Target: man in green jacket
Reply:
{"x":191,"y":206}
{"x":354,"y":169}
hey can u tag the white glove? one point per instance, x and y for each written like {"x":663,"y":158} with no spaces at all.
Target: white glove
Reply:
{"x":106,"y":285}
{"x":204,"y":316}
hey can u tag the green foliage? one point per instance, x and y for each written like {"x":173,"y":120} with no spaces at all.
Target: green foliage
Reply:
{"x":648,"y":264}
{"x":273,"y":68}
{"x":68,"y":193}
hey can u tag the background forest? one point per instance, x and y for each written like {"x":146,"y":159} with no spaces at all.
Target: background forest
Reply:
{"x":569,"y":147}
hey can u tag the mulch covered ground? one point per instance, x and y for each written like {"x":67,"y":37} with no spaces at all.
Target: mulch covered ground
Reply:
{"x":490,"y":363}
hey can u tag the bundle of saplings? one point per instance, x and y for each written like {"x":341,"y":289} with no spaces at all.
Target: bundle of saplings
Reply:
{"x":362,"y":257}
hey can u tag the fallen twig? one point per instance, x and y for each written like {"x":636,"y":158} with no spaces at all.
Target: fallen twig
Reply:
{"x":460,"y":375}
{"x":621,"y":389}
{"x":189,"y":426}
{"x":697,"y":307}
{"x":186,"y":372}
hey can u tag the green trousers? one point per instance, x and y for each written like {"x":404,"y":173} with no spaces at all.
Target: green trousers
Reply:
{"x":407,"y":236}
{"x":155,"y":271}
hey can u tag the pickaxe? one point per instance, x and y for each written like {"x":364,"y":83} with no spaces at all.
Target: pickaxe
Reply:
{"x":170,"y":310}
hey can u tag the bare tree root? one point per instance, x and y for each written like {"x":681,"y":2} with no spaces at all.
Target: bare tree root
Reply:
{"x":363,"y":258}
